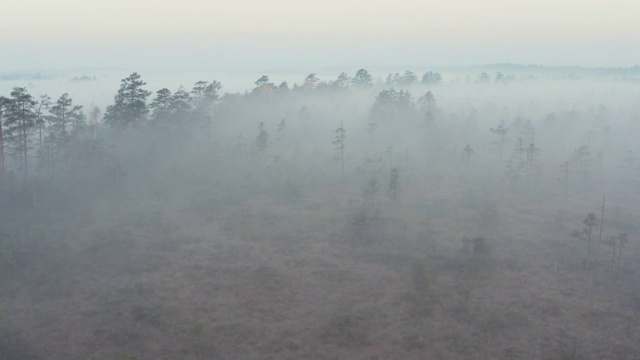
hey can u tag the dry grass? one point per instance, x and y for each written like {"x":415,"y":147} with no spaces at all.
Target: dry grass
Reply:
{"x":273,"y":279}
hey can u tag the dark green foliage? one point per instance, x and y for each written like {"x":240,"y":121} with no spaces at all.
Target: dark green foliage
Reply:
{"x":19,"y":121}
{"x":392,"y":105}
{"x":161,"y":105}
{"x":64,"y":119}
{"x":310,"y":82}
{"x":362,"y":78}
{"x":431,"y":78}
{"x":427,"y":102}
{"x":181,"y":105}
{"x":130,"y":104}
{"x":342,"y":82}
{"x":262,"y":80}
{"x":407,"y":78}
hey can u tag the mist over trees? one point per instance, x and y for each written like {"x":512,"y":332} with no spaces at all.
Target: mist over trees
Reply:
{"x":401,"y":215}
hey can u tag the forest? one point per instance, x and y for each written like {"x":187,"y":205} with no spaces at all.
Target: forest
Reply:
{"x":429,"y":215}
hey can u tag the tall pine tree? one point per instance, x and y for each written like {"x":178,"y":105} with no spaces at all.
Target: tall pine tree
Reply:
{"x":63,"y":119}
{"x":20,"y":120}
{"x":130,"y":104}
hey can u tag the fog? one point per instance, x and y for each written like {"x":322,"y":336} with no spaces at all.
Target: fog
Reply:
{"x":392,"y":212}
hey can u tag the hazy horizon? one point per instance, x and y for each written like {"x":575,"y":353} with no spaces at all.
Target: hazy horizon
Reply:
{"x":284,"y":34}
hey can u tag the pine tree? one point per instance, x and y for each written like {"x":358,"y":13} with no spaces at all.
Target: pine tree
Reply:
{"x":20,"y":120}
{"x":427,"y":102}
{"x":338,"y":142}
{"x":342,"y":82}
{"x":262,"y":142}
{"x":161,"y":106}
{"x":130,"y":104}
{"x":362,"y":79}
{"x":205,"y":96}
{"x":63,"y":119}
{"x":431,"y":78}
{"x":4,"y":102}
{"x":180,"y":105}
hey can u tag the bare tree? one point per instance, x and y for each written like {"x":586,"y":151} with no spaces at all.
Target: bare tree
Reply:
{"x":3,"y":102}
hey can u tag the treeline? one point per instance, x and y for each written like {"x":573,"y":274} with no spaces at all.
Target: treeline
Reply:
{"x":55,"y":149}
{"x":44,"y":128}
{"x":56,"y":144}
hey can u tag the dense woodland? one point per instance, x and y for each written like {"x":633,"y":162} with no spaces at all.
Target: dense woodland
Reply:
{"x":486,"y":216}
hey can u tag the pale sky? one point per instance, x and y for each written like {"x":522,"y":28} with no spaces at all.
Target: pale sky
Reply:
{"x":89,"y":32}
